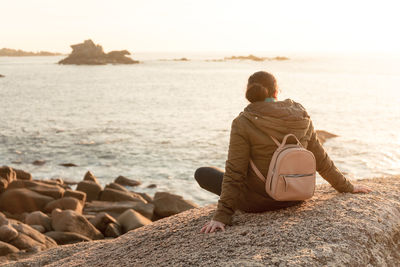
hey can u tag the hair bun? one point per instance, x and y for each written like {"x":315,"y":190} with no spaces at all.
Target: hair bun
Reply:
{"x":256,"y":92}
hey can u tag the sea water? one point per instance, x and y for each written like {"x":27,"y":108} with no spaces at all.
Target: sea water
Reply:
{"x":160,"y":120}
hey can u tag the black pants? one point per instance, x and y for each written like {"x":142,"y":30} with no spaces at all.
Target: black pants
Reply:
{"x":210,"y":179}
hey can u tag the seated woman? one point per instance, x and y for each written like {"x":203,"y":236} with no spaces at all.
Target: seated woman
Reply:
{"x":239,"y":187}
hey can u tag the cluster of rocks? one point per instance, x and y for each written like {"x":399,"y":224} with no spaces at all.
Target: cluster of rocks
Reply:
{"x":8,"y":52}
{"x":39,"y":214}
{"x":88,"y":53}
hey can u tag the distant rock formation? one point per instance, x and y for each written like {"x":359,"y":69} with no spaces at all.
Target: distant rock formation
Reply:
{"x":255,"y":58}
{"x":88,"y":53}
{"x":8,"y":52}
{"x":249,"y":57}
{"x":2,"y":76}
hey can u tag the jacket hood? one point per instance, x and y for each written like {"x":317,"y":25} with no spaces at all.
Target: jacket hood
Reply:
{"x":279,"y":118}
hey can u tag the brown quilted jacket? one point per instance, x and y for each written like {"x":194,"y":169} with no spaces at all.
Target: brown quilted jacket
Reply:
{"x":241,"y":188}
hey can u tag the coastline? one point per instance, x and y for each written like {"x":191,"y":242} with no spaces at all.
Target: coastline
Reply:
{"x":329,"y":229}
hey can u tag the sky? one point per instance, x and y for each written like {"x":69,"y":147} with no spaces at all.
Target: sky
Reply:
{"x":202,"y":26}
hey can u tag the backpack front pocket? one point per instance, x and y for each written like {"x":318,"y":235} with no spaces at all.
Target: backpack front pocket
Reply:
{"x":296,"y":186}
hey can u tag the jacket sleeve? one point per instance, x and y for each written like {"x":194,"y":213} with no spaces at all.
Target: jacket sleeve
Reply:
{"x":235,"y":173}
{"x":325,"y":166}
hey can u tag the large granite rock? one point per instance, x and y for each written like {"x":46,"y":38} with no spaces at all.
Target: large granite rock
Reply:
{"x":101,"y":220}
{"x":41,"y":187}
{"x":167,"y":204}
{"x":90,"y":188}
{"x":331,"y":229}
{"x":7,"y":175}
{"x":65,"y":203}
{"x":64,"y":238}
{"x":122,"y":180}
{"x":88,"y":53}
{"x":116,"y":208}
{"x":116,"y":196}
{"x":22,"y":200}
{"x":70,"y":221}
{"x":6,"y":248}
{"x":23,"y":175}
{"x":130,"y":220}
{"x":39,"y":218}
{"x":29,"y":238}
{"x":81,"y":196}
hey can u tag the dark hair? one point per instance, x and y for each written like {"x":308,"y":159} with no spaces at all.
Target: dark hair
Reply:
{"x":260,"y":86}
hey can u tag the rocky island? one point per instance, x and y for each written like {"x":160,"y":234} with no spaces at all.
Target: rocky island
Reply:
{"x":250,"y":57}
{"x":8,"y":52}
{"x":88,"y":53}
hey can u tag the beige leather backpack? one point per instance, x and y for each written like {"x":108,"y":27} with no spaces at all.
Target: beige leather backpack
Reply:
{"x":291,"y":173}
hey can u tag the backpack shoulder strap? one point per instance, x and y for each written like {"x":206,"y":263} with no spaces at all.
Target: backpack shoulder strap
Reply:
{"x":257,"y":171}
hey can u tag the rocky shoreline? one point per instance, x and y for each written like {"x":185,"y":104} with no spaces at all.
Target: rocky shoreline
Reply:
{"x":331,"y":229}
{"x":36,"y":215}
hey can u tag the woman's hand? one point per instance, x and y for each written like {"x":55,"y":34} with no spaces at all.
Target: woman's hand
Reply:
{"x":212,"y":226}
{"x":361,"y":189}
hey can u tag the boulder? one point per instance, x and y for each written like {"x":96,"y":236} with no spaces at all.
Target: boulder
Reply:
{"x":70,"y":221}
{"x":167,"y":204}
{"x":64,"y":238}
{"x":68,"y":165}
{"x":65,"y":203}
{"x":75,"y":194}
{"x":28,"y":238}
{"x":152,"y":186}
{"x":3,"y":219}
{"x":88,"y":53}
{"x":116,"y":208}
{"x":116,"y":186}
{"x":39,"y":218}
{"x":23,"y":200}
{"x":39,"y":162}
{"x":41,"y":187}
{"x":112,"y":230}
{"x":91,"y":189}
{"x":39,"y":228}
{"x":7,"y":175}
{"x":131,"y":219}
{"x":89,"y":176}
{"x":145,"y":196}
{"x":7,"y":233}
{"x":116,"y":195}
{"x":324,"y":135}
{"x":101,"y":220}
{"x":122,"y":180}
{"x":3,"y":184}
{"x":6,"y":249}
{"x":22,"y":175}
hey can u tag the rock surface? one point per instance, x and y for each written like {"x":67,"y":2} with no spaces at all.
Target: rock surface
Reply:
{"x":122,"y":180}
{"x":116,"y":208}
{"x":331,"y":229}
{"x":131,"y":219}
{"x":39,"y":218}
{"x":63,"y":238}
{"x":167,"y":204}
{"x":70,"y":221}
{"x":22,"y":200}
{"x":90,"y":188}
{"x":88,"y":53}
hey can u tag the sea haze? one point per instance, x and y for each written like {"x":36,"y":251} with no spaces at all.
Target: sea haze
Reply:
{"x":160,"y":120}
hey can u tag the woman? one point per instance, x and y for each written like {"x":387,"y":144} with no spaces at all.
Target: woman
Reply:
{"x":239,"y":187}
